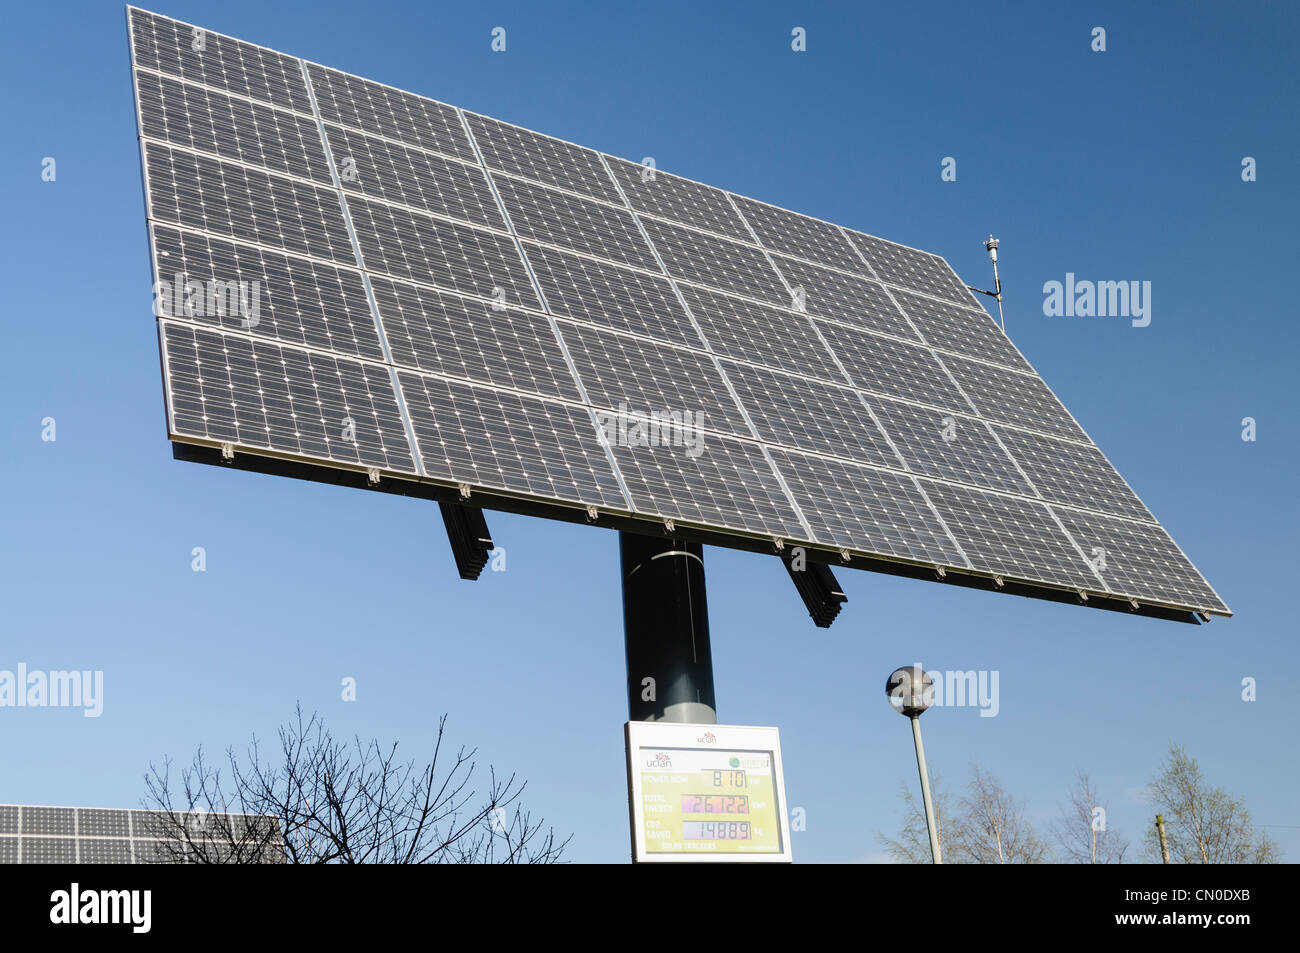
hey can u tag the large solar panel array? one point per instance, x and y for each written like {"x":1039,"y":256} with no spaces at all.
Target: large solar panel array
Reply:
{"x":452,"y":300}
{"x":92,"y":835}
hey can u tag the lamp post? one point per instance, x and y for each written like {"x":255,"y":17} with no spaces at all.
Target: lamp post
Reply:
{"x":911,"y":691}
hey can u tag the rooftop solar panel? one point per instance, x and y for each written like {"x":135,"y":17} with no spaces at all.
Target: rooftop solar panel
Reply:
{"x":453,"y":306}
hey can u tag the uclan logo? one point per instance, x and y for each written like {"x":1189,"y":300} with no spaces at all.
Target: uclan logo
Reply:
{"x":707,"y":739}
{"x":660,"y":760}
{"x":133,"y":907}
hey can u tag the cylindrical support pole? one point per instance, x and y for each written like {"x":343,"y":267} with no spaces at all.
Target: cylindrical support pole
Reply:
{"x":930,"y":820}
{"x":666,"y":630}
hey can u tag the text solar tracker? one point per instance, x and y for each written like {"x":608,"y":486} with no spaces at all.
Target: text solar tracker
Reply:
{"x":90,"y":835}
{"x":360,"y":285}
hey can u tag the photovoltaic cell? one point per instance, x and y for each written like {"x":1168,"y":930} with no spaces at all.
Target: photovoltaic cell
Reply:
{"x":854,"y":394}
{"x":964,"y":330}
{"x":109,"y":836}
{"x":805,"y":414}
{"x":951,"y":447}
{"x":101,"y":822}
{"x":1139,"y":560}
{"x":49,"y":820}
{"x":715,"y":262}
{"x":209,"y":121}
{"x":1010,"y":536}
{"x":909,"y":268}
{"x":415,"y":120}
{"x":100,"y":850}
{"x":629,"y":374}
{"x":848,"y":504}
{"x":227,"y":388}
{"x":245,"y":204}
{"x":509,"y":442}
{"x":48,"y":850}
{"x":444,"y":333}
{"x":415,"y":246}
{"x":613,"y":297}
{"x":844,"y":298}
{"x":892,"y":368}
{"x":379,"y":169}
{"x":1008,"y":397}
{"x":731,"y":485}
{"x":578,"y":224}
{"x":657,"y":193}
{"x":760,"y":334}
{"x":1073,"y":474}
{"x":295,"y":301}
{"x":531,"y":155}
{"x":217,"y":61}
{"x":793,"y":234}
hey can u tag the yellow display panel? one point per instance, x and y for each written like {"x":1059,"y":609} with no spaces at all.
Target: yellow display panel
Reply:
{"x":706,"y":792}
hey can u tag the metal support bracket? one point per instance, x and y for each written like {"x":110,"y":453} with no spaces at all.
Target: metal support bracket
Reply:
{"x":471,"y":543}
{"x":819,"y":589}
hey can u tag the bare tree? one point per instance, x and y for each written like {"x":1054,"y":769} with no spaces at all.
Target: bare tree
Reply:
{"x":1082,"y":832}
{"x":324,"y":801}
{"x":1203,"y":825}
{"x":986,"y":825}
{"x":993,"y":828}
{"x":913,"y":843}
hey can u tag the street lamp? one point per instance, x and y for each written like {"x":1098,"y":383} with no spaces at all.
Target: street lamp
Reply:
{"x":911,"y":691}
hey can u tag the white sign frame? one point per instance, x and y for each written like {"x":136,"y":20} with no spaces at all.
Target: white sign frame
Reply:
{"x":667,"y":734}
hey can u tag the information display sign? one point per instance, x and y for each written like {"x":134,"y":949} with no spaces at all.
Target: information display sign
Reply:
{"x":706,"y":793}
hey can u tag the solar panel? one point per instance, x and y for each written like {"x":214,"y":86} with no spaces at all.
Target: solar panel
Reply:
{"x":451,"y":306}
{"x":78,"y":835}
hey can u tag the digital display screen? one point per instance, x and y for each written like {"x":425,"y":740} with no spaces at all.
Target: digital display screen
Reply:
{"x":705,"y":800}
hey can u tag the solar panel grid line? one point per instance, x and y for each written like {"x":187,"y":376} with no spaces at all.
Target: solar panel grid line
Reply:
{"x":400,"y":398}
{"x":546,"y":309}
{"x":957,"y":386}
{"x":726,"y":380}
{"x":849,"y":380}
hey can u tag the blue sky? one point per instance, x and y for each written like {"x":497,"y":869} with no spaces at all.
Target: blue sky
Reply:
{"x":1122,"y":165}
